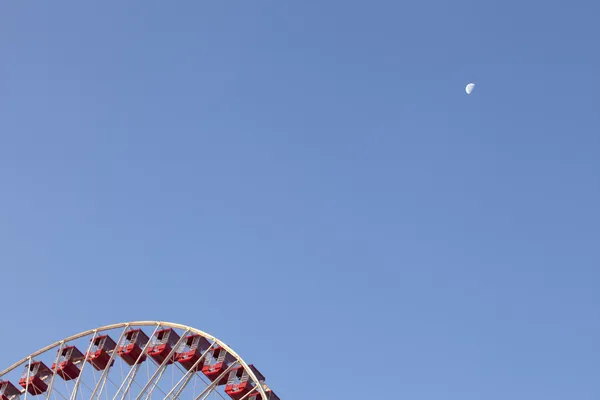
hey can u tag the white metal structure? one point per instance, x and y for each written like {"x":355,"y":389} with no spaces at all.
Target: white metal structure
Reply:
{"x":144,"y":379}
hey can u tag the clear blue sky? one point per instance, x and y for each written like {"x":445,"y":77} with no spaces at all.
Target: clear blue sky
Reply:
{"x":309,"y":182}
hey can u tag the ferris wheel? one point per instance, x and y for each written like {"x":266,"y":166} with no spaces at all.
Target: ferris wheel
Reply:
{"x":135,"y":361}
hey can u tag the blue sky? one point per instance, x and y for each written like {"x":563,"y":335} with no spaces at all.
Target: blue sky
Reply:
{"x":309,"y":182}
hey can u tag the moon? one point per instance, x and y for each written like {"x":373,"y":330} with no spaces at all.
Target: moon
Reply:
{"x":470,"y":88}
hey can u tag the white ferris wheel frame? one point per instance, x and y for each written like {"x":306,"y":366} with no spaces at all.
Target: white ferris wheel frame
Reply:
{"x":259,"y":385}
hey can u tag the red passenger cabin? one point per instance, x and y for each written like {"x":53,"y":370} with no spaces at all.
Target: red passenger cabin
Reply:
{"x":191,"y":350}
{"x":131,"y":351}
{"x":239,"y":383}
{"x":34,"y":378}
{"x":8,"y":391}
{"x":68,"y":359}
{"x":162,"y":344}
{"x":216,"y":362}
{"x":99,"y":354}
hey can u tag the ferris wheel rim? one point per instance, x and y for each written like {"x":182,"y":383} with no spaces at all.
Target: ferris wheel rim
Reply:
{"x":240,"y":360}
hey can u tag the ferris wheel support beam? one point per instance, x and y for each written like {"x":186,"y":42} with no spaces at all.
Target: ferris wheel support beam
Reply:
{"x":130,"y":378}
{"x":28,"y":375}
{"x":51,"y":385}
{"x":100,"y":385}
{"x":249,"y":393}
{"x":129,"y":382}
{"x":162,"y":372}
{"x":179,"y":387}
{"x":161,"y":369}
{"x":214,"y":383}
{"x":78,"y":381}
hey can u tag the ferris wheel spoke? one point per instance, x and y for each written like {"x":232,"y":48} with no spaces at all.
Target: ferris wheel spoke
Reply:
{"x":214,"y":391}
{"x":86,"y":386}
{"x":66,"y":390}
{"x":102,"y":382}
{"x":249,"y":393}
{"x":202,"y":379}
{"x":214,"y":384}
{"x":55,"y":370}
{"x":73,"y":395}
{"x":129,"y":383}
{"x":57,"y":392}
{"x":159,"y":372}
{"x":27,"y":377}
{"x":121,"y":368}
{"x":183,"y":382}
{"x":154,"y":384}
{"x":140,"y":387}
{"x":134,"y":369}
{"x":137,"y":384}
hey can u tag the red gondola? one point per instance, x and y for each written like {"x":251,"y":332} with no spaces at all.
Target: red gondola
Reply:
{"x":99,"y":355}
{"x":34,"y":378}
{"x":162,"y":344}
{"x":135,"y":341}
{"x":239,"y":383}
{"x":8,"y":391}
{"x":191,"y":350}
{"x":217,"y":361}
{"x":67,"y":368}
